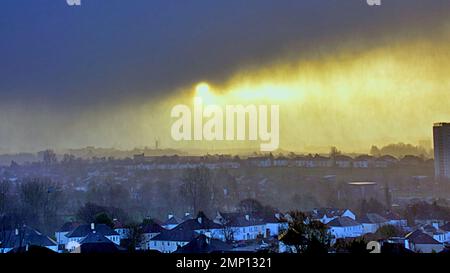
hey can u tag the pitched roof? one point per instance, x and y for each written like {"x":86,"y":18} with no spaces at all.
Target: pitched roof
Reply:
{"x":429,"y":228}
{"x":32,"y":249}
{"x":363,"y":157}
{"x":185,"y":231}
{"x":390,"y":215}
{"x":98,"y":243}
{"x":25,"y":236}
{"x":203,"y":244}
{"x":200,"y":223}
{"x":68,"y":226}
{"x":85,"y":230}
{"x":152,"y":227}
{"x":242,"y":221}
{"x":237,"y":219}
{"x":94,"y":237}
{"x":445,"y":227}
{"x":418,"y":237}
{"x":372,"y":218}
{"x":343,"y":158}
{"x":343,"y":222}
{"x":171,"y":221}
{"x":178,"y":234}
{"x":328,"y":212}
{"x":275,"y":218}
{"x":387,"y":158}
{"x":118,"y":224}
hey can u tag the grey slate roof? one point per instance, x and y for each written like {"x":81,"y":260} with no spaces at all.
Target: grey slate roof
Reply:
{"x":241,"y":221}
{"x":329,"y":212}
{"x":68,"y":226}
{"x":202,"y":244}
{"x":343,"y":222}
{"x":85,"y":230}
{"x":26,"y":236}
{"x":418,"y":237}
{"x":185,"y":231}
{"x":95,"y":238}
{"x":152,"y":227}
{"x":178,"y":234}
{"x":389,"y":215}
{"x":171,"y":221}
{"x":372,"y":218}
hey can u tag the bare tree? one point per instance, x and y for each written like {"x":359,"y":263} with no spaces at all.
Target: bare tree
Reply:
{"x":49,"y":157}
{"x":4,"y":197}
{"x":228,"y":231}
{"x":196,"y":188}
{"x":40,"y":199}
{"x":135,"y":236}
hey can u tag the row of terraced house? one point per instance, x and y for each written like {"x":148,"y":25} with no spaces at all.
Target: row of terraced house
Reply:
{"x":307,"y":161}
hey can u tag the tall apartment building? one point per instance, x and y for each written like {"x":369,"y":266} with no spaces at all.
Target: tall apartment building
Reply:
{"x":441,"y":139}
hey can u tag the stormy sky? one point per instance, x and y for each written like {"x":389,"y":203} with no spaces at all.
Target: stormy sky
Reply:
{"x":107,"y":72}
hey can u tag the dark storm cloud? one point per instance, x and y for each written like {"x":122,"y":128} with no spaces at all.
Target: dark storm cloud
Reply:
{"x":115,"y":51}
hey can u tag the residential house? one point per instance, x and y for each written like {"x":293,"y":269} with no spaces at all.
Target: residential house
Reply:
{"x":303,"y":161}
{"x":363,"y":161}
{"x":345,"y":227}
{"x":446,"y":229}
{"x":25,"y":237}
{"x":121,"y":229}
{"x":325,"y":215}
{"x":149,"y":231}
{"x":243,"y":226}
{"x":261,"y":161}
{"x":281,"y":162}
{"x":371,"y":222}
{"x":385,"y":161}
{"x":61,"y":233}
{"x":419,"y":241}
{"x":97,"y":243}
{"x":411,"y":160}
{"x":203,"y":244}
{"x":395,"y":219}
{"x":319,"y":161}
{"x":82,"y":231}
{"x":435,"y":232}
{"x":275,"y":224}
{"x":343,"y":161}
{"x":169,"y":241}
{"x":171,"y":222}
